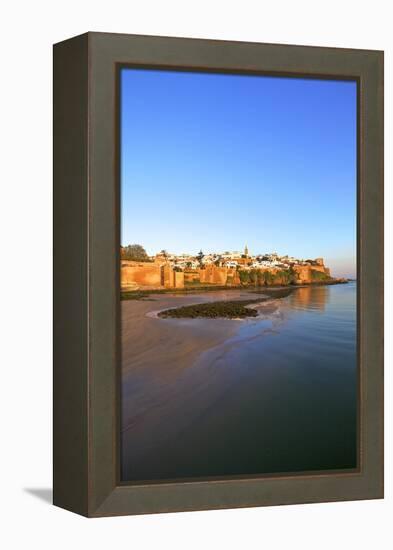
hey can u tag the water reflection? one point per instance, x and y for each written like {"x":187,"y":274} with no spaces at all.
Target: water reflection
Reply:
{"x":279,"y":395}
{"x":310,"y":298}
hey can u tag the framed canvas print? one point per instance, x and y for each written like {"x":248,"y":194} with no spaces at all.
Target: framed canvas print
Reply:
{"x":218,"y":274}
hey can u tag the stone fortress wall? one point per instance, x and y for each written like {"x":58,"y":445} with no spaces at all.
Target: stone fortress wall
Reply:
{"x":214,"y":275}
{"x":304,"y":272}
{"x":156,"y":275}
{"x":148,"y":275}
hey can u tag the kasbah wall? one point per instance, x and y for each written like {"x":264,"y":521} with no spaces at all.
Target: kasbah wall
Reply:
{"x":146,"y":275}
{"x":304,"y":272}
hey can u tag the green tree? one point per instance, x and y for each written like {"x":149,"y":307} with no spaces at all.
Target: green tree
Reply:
{"x":319,"y":275}
{"x":261,"y":277}
{"x":244,"y":277}
{"x":135,"y":252}
{"x":253,"y":276}
{"x":269,"y":277}
{"x":200,"y":257}
{"x":293,"y":276}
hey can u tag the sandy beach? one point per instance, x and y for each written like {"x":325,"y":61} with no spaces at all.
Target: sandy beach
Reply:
{"x":221,"y":396}
{"x":164,"y":387}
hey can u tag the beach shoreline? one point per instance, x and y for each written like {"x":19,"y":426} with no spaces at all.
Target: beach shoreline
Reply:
{"x":180,"y":375}
{"x":166,"y":368}
{"x":164,"y":347}
{"x":157,"y":359}
{"x":142,"y":292}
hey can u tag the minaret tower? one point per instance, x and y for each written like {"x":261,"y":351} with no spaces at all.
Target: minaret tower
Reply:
{"x":246,"y":251}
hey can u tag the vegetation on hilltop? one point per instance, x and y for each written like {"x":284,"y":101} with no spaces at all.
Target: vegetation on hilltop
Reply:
{"x":257,"y":277}
{"x":134,"y":252}
{"x":319,"y":276}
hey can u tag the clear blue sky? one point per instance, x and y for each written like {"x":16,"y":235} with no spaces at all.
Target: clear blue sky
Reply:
{"x":213,"y":161}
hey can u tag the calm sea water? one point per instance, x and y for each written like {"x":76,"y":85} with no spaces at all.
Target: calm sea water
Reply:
{"x":289,"y":395}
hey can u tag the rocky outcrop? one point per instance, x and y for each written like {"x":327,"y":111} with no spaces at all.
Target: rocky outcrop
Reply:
{"x":307,"y":274}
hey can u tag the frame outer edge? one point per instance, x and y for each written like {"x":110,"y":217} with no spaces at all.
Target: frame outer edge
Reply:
{"x":70,"y":267}
{"x":105,"y":498}
{"x":370,"y":250}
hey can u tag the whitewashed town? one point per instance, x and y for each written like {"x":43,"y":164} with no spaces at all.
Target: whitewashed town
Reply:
{"x":234,"y":259}
{"x":229,"y":269}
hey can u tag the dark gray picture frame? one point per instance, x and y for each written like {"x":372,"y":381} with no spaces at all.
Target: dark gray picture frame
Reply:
{"x":86,"y":274}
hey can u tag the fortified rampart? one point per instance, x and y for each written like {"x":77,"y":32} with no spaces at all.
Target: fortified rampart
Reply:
{"x":140,"y":274}
{"x":305,"y":272}
{"x":171,"y":278}
{"x":213,"y":275}
{"x":191,"y":276}
{"x":151,"y":275}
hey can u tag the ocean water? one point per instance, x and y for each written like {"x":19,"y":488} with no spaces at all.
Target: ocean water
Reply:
{"x":287,"y":399}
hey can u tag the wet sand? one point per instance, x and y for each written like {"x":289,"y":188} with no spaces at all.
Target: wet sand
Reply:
{"x":213,"y":397}
{"x":164,"y":386}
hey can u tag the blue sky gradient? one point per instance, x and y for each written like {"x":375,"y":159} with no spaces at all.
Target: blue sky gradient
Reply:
{"x":212,"y":161}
